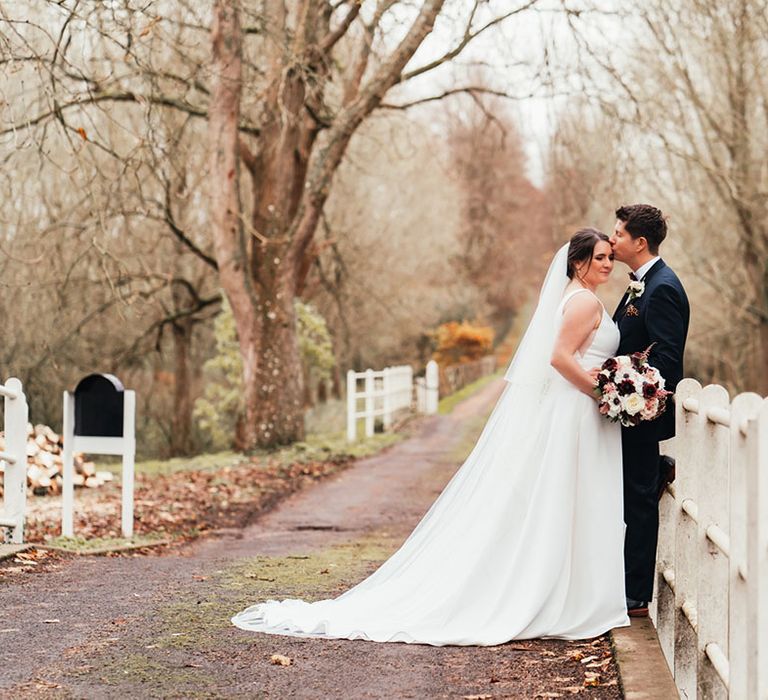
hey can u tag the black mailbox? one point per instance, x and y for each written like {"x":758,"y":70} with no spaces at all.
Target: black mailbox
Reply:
{"x":99,"y":406}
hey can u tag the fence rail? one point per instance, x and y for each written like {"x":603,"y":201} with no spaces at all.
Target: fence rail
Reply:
{"x":384,"y":393}
{"x":711,"y":608}
{"x":13,"y":460}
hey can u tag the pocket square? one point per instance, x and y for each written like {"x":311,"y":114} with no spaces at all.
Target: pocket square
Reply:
{"x":631,"y":310}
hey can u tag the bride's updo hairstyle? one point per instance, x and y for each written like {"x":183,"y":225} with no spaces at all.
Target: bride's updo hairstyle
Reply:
{"x":582,"y":248}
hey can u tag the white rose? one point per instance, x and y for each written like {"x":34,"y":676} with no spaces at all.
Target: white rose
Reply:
{"x":633,"y":404}
{"x":624,"y":361}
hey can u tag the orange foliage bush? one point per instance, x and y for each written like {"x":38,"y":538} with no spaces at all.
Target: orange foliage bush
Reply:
{"x":462,"y":342}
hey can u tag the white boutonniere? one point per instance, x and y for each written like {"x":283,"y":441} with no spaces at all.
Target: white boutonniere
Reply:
{"x":635,"y":290}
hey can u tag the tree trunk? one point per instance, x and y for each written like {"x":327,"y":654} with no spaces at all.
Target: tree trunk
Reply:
{"x":275,"y":379}
{"x":181,"y":424}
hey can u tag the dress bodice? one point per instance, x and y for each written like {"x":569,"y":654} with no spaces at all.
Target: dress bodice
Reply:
{"x":605,"y":340}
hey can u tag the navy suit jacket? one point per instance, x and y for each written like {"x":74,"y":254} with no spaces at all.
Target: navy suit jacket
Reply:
{"x":662,"y":318}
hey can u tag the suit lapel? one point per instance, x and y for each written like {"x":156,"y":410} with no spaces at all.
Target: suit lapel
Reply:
{"x":658,"y":265}
{"x":622,"y":303}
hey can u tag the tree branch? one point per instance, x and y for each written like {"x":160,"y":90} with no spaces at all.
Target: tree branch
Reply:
{"x":468,"y":37}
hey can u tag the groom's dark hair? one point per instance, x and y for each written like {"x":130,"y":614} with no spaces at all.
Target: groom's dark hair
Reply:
{"x":646,"y":221}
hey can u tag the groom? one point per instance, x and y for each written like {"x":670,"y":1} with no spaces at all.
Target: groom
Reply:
{"x":653,"y":311}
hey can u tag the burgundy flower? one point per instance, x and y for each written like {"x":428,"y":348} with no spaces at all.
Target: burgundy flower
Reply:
{"x":649,"y":390}
{"x":610,"y":364}
{"x":625,"y":387}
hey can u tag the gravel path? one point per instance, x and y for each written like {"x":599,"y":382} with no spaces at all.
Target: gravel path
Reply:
{"x":158,"y":626}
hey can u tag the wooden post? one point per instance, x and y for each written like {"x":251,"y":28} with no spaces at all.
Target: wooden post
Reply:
{"x":757,"y":560}
{"x":351,"y":406}
{"x":370,"y":386}
{"x":712,"y":500}
{"x":15,"y":479}
{"x":432,"y":387}
{"x":129,"y":457}
{"x":389,"y":385}
{"x":68,"y":466}
{"x":743,"y":452}
{"x":663,"y":607}
{"x":690,"y":456}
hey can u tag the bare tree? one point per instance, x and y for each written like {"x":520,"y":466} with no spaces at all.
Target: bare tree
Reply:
{"x":293,"y":83}
{"x":690,"y":89}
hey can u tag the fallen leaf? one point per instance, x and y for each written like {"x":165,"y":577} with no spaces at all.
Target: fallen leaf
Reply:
{"x":588,"y":659}
{"x":592,"y":679}
{"x":197,"y":577}
{"x":280,"y":660}
{"x":82,"y":133}
{"x":576,"y":656}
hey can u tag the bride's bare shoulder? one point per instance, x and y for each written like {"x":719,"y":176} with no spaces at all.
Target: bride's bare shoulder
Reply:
{"x":578,"y":301}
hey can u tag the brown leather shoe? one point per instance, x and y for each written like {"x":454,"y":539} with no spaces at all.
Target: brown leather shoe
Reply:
{"x":641,"y":611}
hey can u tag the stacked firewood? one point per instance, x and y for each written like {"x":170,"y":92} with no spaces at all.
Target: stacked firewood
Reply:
{"x":45,"y":466}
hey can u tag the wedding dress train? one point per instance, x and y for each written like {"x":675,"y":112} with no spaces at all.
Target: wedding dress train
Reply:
{"x":525,"y":541}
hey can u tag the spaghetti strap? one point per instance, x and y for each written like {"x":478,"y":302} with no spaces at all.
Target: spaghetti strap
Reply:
{"x":567,"y":297}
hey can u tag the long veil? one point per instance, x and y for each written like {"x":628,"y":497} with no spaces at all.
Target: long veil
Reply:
{"x":506,"y":550}
{"x":530,"y":366}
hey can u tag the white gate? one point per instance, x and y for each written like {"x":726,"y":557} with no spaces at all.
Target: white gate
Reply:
{"x":711,"y":608}
{"x":13,"y":460}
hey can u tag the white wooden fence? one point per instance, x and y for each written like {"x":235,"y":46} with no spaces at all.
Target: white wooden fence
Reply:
{"x":711,"y":608}
{"x":13,"y":460}
{"x":384,"y":392}
{"x":428,"y":389}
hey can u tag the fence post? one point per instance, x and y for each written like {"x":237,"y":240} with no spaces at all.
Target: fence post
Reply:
{"x":370,"y":387}
{"x":743,"y":451}
{"x":68,"y":466}
{"x":351,"y":405}
{"x":129,"y":459}
{"x":690,"y":454}
{"x":15,"y":480}
{"x":713,"y":568}
{"x":432,"y":380}
{"x":388,"y":384}
{"x":663,"y":607}
{"x":757,"y":560}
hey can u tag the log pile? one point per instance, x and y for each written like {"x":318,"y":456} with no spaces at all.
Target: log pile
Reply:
{"x":45,"y":466}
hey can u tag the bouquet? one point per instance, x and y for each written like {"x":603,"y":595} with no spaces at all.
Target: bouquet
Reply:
{"x":629,"y":390}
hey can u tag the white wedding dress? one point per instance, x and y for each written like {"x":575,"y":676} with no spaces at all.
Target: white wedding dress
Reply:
{"x":525,"y":541}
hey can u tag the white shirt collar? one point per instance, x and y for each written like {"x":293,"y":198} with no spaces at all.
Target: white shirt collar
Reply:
{"x":642,"y":271}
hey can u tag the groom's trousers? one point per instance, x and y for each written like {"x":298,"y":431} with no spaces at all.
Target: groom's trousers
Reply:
{"x":641,"y":516}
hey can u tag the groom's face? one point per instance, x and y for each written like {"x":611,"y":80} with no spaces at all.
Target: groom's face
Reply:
{"x":624,"y":246}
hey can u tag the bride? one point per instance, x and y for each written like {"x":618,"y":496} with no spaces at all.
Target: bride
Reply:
{"x":526,"y":540}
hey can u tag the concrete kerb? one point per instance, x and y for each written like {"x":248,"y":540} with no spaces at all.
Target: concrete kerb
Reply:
{"x":643,"y":669}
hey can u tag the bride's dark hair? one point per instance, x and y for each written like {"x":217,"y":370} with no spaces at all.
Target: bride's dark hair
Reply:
{"x":582,"y":247}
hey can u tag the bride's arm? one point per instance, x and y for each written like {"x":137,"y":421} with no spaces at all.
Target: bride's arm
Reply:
{"x":581,"y":316}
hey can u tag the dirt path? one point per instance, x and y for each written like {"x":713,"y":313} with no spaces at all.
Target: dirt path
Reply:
{"x":158,"y":626}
